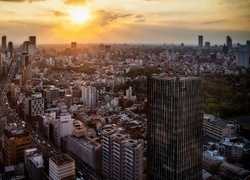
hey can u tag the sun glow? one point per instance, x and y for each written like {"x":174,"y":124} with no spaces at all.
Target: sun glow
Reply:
{"x":79,"y":15}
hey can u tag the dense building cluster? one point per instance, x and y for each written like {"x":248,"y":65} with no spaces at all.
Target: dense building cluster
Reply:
{"x":67,"y":117}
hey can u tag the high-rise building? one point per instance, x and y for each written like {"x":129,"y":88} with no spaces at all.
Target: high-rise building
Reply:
{"x":10,"y":47}
{"x":229,"y":43}
{"x":4,"y":45}
{"x":200,"y":41}
{"x":207,"y":44}
{"x":32,"y":40}
{"x":89,"y":96}
{"x":61,"y":167}
{"x":73,"y":45}
{"x":1,"y":64}
{"x":122,"y":157}
{"x":175,"y":127}
{"x":15,"y":142}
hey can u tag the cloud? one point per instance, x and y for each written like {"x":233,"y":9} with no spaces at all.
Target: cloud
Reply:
{"x":20,"y":1}
{"x":139,"y":16}
{"x":76,"y":2}
{"x":214,"y":22}
{"x":103,"y":17}
{"x":59,"y":13}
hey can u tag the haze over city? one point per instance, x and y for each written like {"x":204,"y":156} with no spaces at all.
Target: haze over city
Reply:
{"x":130,"y":21}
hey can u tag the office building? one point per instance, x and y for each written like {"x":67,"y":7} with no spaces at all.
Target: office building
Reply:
{"x":242,"y":57}
{"x":26,"y":45}
{"x":4,"y":45}
{"x":85,"y":148}
{"x":62,"y":167}
{"x":229,"y":43}
{"x":15,"y":142}
{"x":33,"y":105}
{"x":51,"y":95}
{"x":73,"y":45}
{"x":207,"y":44}
{"x":32,"y":40}
{"x":62,"y":127}
{"x":10,"y":47}
{"x":174,"y":127}
{"x":218,"y":128}
{"x":1,"y":64}
{"x":200,"y":41}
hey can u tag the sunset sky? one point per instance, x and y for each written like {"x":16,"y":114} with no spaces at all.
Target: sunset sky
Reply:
{"x":125,"y":21}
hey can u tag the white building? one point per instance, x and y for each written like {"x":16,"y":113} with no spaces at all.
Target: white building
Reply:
{"x":218,"y":128}
{"x":122,"y":156}
{"x":62,"y":127}
{"x":129,"y":93}
{"x":89,"y":96}
{"x":61,"y":167}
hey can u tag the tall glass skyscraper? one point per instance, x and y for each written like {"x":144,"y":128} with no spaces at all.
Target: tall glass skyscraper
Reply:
{"x":175,"y":128}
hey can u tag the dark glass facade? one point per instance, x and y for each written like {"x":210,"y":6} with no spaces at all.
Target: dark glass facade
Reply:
{"x":175,"y":128}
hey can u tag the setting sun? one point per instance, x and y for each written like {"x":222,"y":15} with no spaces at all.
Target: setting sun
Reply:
{"x":79,"y":15}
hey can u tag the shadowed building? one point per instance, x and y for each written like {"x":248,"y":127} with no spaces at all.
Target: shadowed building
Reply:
{"x":175,"y":127}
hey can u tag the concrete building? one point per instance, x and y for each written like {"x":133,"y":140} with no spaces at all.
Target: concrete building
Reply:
{"x":73,"y":45}
{"x":232,"y":172}
{"x":51,"y":95}
{"x":211,"y":157}
{"x":34,"y":164}
{"x":32,"y":40}
{"x":34,"y":105}
{"x":218,"y":128}
{"x":229,"y":43}
{"x":61,"y":128}
{"x":89,"y":96}
{"x":87,"y":150}
{"x":15,"y":142}
{"x":62,"y":167}
{"x":133,"y":159}
{"x":230,"y":148}
{"x":4,"y":45}
{"x":242,"y":57}
{"x":200,"y":41}
{"x":122,"y":157}
{"x":174,"y":127}
{"x":129,"y":95}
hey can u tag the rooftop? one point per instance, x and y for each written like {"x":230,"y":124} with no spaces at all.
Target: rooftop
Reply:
{"x":62,"y":159}
{"x":172,"y":77}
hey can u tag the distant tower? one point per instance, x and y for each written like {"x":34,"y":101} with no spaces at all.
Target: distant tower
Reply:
{"x":32,"y":40}
{"x":1,"y":64}
{"x":4,"y":46}
{"x":229,"y":43}
{"x":200,"y":40}
{"x":174,"y":128}
{"x":207,"y":44}
{"x":73,"y":45}
{"x":10,"y":47}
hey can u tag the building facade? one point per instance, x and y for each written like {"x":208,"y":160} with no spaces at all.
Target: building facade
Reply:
{"x":15,"y":141}
{"x":175,"y":127}
{"x":200,"y":41}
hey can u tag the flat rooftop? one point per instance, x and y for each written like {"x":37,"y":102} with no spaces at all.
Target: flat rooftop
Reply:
{"x":172,"y":77}
{"x":61,"y":159}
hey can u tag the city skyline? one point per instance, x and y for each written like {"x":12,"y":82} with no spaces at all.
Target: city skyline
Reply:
{"x":133,"y":21}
